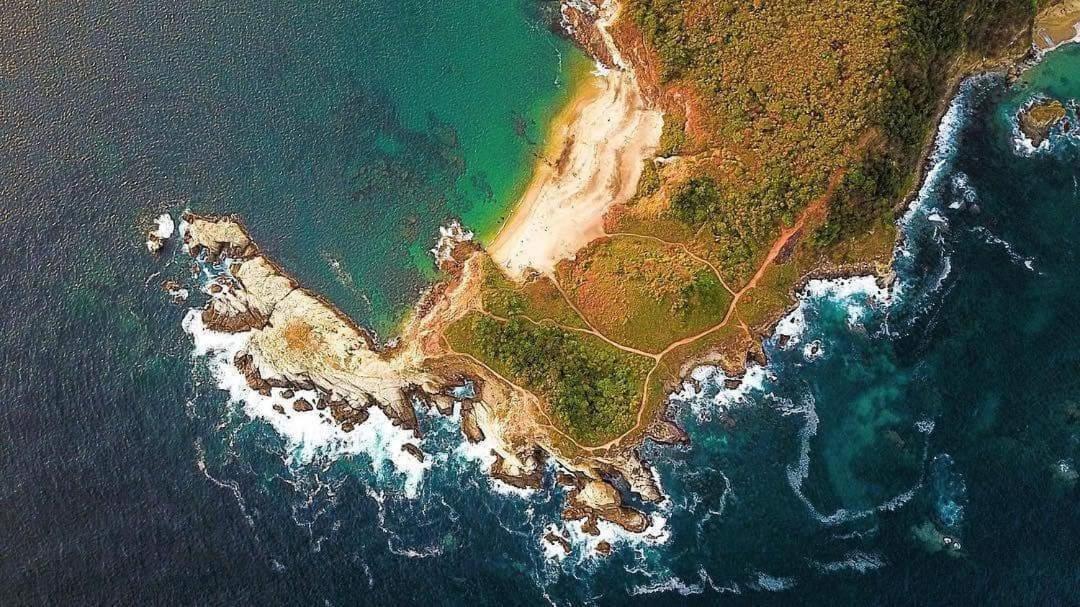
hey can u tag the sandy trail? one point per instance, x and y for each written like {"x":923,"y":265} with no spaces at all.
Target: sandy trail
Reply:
{"x":607,"y":134}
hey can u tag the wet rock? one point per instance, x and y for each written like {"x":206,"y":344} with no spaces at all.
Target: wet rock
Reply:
{"x":154,"y":243}
{"x":731,"y":384}
{"x":604,"y":548}
{"x":414,"y":451}
{"x":557,"y":540}
{"x":783,"y":340}
{"x":301,"y":405}
{"x":225,"y":321}
{"x":665,"y":432}
{"x":599,"y":500}
{"x":530,"y":475}
{"x":288,"y":393}
{"x":1038,"y":119}
{"x":444,"y":404}
{"x":579,"y":21}
{"x":345,"y":413}
{"x":279,"y":409}
{"x":566,"y":479}
{"x":469,"y":427}
{"x":215,"y":288}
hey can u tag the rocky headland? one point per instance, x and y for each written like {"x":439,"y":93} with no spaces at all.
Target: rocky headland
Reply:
{"x":1039,"y":119}
{"x":588,"y":279}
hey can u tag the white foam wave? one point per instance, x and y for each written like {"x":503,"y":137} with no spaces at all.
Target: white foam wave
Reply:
{"x":940,"y":161}
{"x":671,"y":584}
{"x":165,"y":226}
{"x":964,"y":195}
{"x":707,"y":391}
{"x":310,"y":436}
{"x":799,"y":471}
{"x":856,"y":560}
{"x":1014,"y":256}
{"x":772,"y":583}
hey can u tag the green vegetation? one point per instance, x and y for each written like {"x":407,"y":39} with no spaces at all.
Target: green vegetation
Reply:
{"x":642,"y":293}
{"x":672,"y":139}
{"x":796,"y":104}
{"x":649,"y":183}
{"x":790,"y":92}
{"x":593,"y":388}
{"x":538,"y":299}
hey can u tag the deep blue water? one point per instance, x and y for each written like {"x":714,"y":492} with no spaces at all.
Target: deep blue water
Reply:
{"x":949,"y":408}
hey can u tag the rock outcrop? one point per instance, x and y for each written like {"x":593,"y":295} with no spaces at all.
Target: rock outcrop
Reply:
{"x":599,"y":500}
{"x":297,"y":340}
{"x":1040,"y":118}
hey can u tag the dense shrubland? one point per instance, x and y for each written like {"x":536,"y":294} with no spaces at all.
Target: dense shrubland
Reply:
{"x":593,"y":390}
{"x":791,"y":91}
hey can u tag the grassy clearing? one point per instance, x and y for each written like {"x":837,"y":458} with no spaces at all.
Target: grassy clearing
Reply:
{"x":538,"y":299}
{"x":642,"y":293}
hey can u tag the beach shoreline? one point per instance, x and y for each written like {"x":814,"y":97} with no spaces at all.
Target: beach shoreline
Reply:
{"x":592,"y":161}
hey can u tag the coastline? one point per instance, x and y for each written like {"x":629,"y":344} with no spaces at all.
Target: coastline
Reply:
{"x":592,"y":161}
{"x":600,"y":142}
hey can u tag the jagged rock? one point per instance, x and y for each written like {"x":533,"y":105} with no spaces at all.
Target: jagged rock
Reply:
{"x":279,"y":409}
{"x":566,"y":479}
{"x":731,"y":384}
{"x":557,"y":540}
{"x":1037,"y":120}
{"x":783,"y":340}
{"x":444,"y":404}
{"x":469,"y":427}
{"x":579,"y":22}
{"x":414,"y":451}
{"x":347,"y":427}
{"x":301,"y":405}
{"x":288,"y":393}
{"x":604,"y":548}
{"x":590,"y":526}
{"x":154,"y":243}
{"x":223,"y":321}
{"x":345,"y":413}
{"x":665,"y":432}
{"x":600,"y":500}
{"x":530,"y":475}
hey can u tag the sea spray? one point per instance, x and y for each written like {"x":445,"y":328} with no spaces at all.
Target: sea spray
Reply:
{"x":311,"y":436}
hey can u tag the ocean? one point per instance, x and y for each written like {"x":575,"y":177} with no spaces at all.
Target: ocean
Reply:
{"x":916,"y":445}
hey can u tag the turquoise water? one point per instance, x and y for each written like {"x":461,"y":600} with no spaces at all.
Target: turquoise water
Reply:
{"x":345,"y":132}
{"x":949,"y":408}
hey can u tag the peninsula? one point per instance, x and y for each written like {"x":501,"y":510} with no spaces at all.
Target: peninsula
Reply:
{"x":728,"y":151}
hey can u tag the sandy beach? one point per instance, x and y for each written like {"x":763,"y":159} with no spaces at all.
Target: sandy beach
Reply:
{"x":1057,"y":25}
{"x":594,"y":161}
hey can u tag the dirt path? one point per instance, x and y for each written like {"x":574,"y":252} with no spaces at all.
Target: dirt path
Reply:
{"x":778,"y":246}
{"x":680,"y":245}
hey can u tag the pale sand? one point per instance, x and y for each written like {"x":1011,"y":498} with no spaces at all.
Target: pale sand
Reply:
{"x":600,"y":144}
{"x":1057,"y":25}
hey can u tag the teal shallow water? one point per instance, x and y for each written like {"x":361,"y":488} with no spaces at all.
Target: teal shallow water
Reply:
{"x":952,"y":410}
{"x":345,"y":133}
